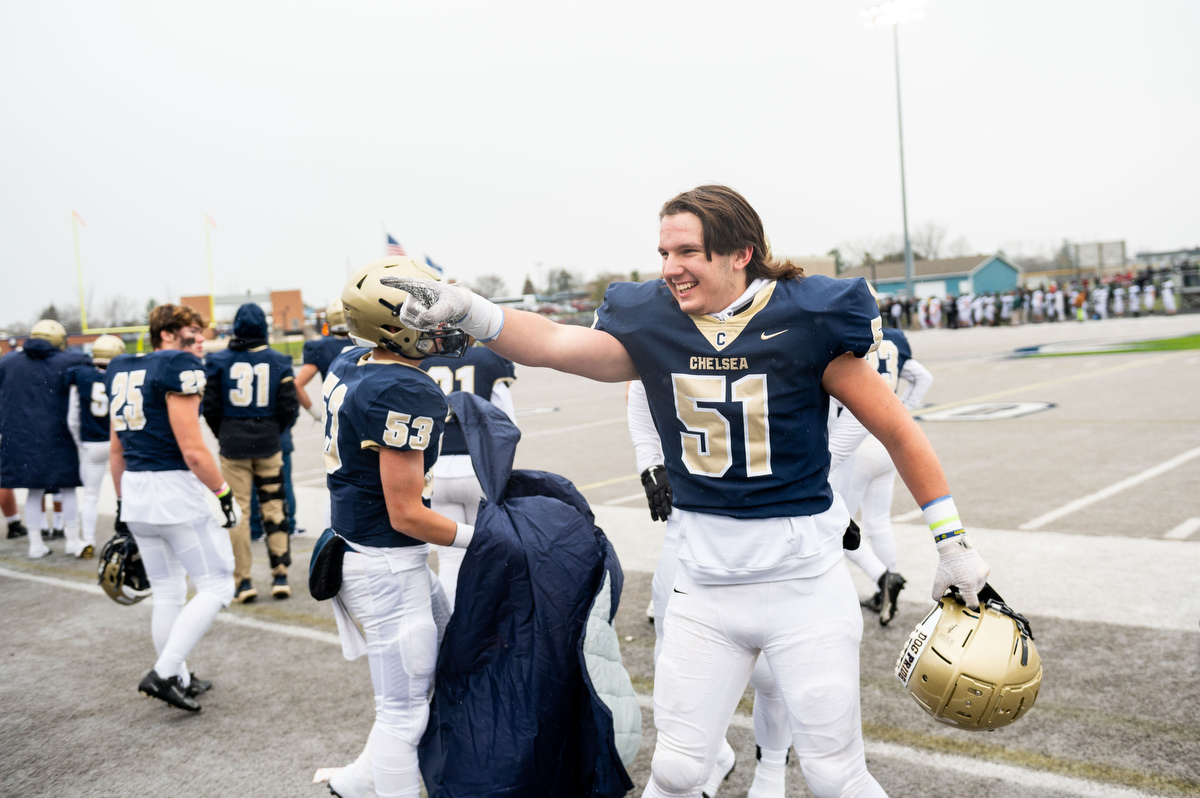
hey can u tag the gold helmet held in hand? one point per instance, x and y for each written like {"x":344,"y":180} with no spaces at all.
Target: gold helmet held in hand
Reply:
{"x":974,"y":669}
{"x":373,"y":312}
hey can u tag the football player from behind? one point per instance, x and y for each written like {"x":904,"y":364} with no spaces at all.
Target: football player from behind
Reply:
{"x":87,"y":417}
{"x":36,"y":448}
{"x":867,"y":479}
{"x":249,"y":401}
{"x":162,"y":470}
{"x":383,"y":420}
{"x":456,"y":490}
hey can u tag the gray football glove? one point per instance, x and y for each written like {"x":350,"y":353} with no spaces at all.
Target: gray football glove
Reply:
{"x":960,"y":565}
{"x":432,"y":305}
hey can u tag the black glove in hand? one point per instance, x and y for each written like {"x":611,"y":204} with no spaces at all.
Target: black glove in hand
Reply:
{"x":119,"y":526}
{"x":658,"y":492}
{"x":233,"y":513}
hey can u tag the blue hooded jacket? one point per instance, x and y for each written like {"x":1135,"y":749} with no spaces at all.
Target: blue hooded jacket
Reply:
{"x":521,"y":705}
{"x":36,"y":447}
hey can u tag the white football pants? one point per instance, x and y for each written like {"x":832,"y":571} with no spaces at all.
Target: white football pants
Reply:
{"x":771,"y":731}
{"x":93,"y":463}
{"x":396,"y":615}
{"x":809,"y":631}
{"x":171,"y":552}
{"x":35,"y":515}
{"x":866,"y":482}
{"x":457,"y":498}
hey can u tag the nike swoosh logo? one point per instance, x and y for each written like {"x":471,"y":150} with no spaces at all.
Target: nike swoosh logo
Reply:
{"x":765,"y":337}
{"x":680,"y":592}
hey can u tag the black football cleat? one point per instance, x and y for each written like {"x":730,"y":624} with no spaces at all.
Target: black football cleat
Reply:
{"x":890,"y":585}
{"x":16,"y":530}
{"x":155,"y":686}
{"x":197,"y":687}
{"x":57,"y":534}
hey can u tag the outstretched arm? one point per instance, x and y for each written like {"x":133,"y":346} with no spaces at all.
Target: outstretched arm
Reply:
{"x":520,"y":336}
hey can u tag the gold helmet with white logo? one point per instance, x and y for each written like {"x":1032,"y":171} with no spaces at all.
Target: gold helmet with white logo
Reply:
{"x":974,"y":669}
{"x":373,"y":312}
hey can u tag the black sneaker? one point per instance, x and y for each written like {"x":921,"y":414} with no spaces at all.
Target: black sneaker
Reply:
{"x":16,"y":530}
{"x":874,"y":602}
{"x":890,"y":585}
{"x":57,"y":534}
{"x":279,"y":587}
{"x":245,"y":593}
{"x":197,"y":687}
{"x":168,"y":690}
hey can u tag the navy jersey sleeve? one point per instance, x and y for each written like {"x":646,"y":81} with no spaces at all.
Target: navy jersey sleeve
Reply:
{"x":183,"y":373}
{"x":406,"y":417}
{"x":861,"y":329}
{"x":312,"y":353}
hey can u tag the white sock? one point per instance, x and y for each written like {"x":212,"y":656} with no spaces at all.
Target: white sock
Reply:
{"x":394,"y":765}
{"x":12,"y":519}
{"x":58,"y":520}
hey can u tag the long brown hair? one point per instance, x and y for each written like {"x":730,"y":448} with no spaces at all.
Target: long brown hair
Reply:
{"x":730,"y":225}
{"x":171,"y":318}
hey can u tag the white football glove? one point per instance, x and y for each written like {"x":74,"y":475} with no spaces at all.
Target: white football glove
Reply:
{"x":432,"y":305}
{"x":961,"y":566}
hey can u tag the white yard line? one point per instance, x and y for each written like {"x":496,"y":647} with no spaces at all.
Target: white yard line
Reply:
{"x":1111,"y":490}
{"x":1184,"y":530}
{"x":629,"y":498}
{"x":572,"y":428}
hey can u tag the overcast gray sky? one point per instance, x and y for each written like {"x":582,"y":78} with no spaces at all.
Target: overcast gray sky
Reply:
{"x":497,"y":136}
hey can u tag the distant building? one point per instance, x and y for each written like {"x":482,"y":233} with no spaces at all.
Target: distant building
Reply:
{"x":285,"y":308}
{"x":976,"y":274}
{"x":1168,"y":256}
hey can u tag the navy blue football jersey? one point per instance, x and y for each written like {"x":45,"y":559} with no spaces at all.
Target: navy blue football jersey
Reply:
{"x":321,"y":351}
{"x":891,"y":355}
{"x":738,"y":403}
{"x":250,"y":380}
{"x":370,"y":405}
{"x":137,"y":405}
{"x":477,"y":372}
{"x":93,"y":402}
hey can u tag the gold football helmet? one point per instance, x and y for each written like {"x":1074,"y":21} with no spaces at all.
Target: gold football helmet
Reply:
{"x":373,"y":312}
{"x":335,"y":317}
{"x":974,"y":669}
{"x":50,"y":330}
{"x":105,"y":348}
{"x":121,"y":572}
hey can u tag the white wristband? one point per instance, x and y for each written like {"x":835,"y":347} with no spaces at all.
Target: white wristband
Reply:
{"x":943,"y":520}
{"x":484,"y":319}
{"x":462,"y":536}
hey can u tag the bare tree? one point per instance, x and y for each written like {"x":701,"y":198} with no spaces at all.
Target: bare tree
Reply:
{"x":598,"y":286}
{"x":928,"y":239}
{"x":488,"y":286}
{"x":960,"y":248}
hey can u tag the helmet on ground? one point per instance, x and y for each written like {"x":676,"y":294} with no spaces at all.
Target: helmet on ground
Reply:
{"x":122,"y":574}
{"x":373,"y":312}
{"x":335,"y":317}
{"x":105,"y":348}
{"x":50,"y":330}
{"x":974,"y":669}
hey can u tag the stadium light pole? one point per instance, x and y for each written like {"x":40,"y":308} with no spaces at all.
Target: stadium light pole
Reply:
{"x":893,"y":13}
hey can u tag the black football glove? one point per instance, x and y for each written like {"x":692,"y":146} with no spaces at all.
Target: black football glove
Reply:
{"x":658,"y":492}
{"x":119,"y":526}
{"x":233,"y":513}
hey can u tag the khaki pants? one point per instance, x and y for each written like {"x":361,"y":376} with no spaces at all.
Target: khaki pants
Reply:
{"x":263,"y":474}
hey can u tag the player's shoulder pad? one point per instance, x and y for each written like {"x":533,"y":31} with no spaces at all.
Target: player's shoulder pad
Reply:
{"x":349,"y":354}
{"x":178,"y":359}
{"x":850,"y":311}
{"x":630,"y":306}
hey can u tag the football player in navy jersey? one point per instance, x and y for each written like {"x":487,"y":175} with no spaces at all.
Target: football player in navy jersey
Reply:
{"x":36,"y":448}
{"x":87,"y":417}
{"x":739,"y":355}
{"x":867,"y":478}
{"x":456,"y":489}
{"x":383,"y":423}
{"x":319,"y":354}
{"x":249,"y":402}
{"x":162,"y":470}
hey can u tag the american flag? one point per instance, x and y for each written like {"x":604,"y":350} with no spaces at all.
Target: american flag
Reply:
{"x":434,"y":266}
{"x":393,"y":248}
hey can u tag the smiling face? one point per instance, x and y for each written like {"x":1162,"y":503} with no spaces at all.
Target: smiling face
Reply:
{"x":699,"y":285}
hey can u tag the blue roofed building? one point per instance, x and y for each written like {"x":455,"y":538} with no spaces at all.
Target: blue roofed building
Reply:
{"x":975,"y":274}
